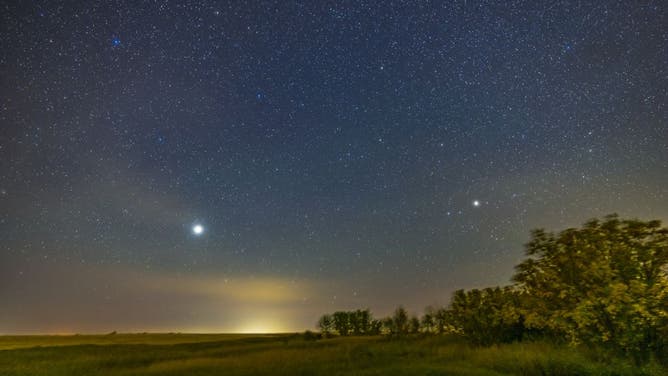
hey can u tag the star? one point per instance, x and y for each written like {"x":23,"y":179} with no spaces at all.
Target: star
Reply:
{"x":476,"y":203}
{"x":198,"y":229}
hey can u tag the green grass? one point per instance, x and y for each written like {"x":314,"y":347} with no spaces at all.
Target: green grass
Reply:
{"x":209,"y":354}
{"x":15,"y":342}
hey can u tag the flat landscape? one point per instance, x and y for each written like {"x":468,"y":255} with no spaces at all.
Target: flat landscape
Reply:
{"x":294,"y":354}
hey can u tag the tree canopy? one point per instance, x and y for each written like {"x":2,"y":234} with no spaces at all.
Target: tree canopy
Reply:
{"x":604,"y":283}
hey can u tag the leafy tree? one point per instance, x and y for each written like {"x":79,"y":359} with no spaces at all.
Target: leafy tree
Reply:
{"x":604,"y":283}
{"x":326,"y":325}
{"x":486,"y":316}
{"x":360,"y":321}
{"x":400,"y":322}
{"x":443,"y":321}
{"x":414,"y":325}
{"x":342,"y":323}
{"x":376,"y":327}
{"x":428,"y":321}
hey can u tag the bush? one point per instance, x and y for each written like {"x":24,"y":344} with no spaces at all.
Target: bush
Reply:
{"x":311,"y":336}
{"x":489,"y":316}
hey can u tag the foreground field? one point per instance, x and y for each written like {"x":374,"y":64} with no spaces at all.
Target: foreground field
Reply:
{"x":193,"y":354}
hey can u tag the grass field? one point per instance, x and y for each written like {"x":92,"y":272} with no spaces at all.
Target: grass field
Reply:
{"x":232,"y":354}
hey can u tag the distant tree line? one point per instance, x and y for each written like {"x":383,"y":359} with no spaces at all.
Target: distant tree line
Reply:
{"x":361,"y":322}
{"x":344,"y":323}
{"x":604,"y":284}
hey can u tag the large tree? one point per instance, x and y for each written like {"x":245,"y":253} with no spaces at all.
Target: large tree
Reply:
{"x":604,"y":283}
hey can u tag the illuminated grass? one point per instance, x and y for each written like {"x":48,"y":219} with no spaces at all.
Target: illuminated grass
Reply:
{"x":292,"y":355}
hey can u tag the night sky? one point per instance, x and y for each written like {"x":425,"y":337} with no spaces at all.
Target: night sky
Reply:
{"x":336,"y":155}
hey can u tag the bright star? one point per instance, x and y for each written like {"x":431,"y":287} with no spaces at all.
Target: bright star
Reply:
{"x":476,"y":203}
{"x":198,"y":229}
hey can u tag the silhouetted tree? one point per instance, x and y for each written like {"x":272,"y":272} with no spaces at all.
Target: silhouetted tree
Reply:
{"x":387,"y":326}
{"x":361,"y":321}
{"x":443,"y":321}
{"x":375,"y":327}
{"x":413,"y":325}
{"x":400,"y":322}
{"x":344,"y":323}
{"x":428,"y":321}
{"x":326,"y":325}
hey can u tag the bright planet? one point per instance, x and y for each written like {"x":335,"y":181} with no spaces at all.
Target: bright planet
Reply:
{"x":198,"y":229}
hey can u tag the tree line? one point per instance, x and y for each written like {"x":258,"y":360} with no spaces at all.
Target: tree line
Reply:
{"x":604,"y":284}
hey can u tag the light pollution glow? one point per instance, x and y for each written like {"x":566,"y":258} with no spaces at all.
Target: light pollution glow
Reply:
{"x":129,"y":300}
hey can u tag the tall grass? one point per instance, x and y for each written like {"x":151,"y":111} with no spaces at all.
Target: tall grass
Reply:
{"x":292,"y":355}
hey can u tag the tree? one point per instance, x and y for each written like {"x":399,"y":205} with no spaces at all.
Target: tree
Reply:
{"x":360,"y":321}
{"x":387,"y":326}
{"x":605,"y":283}
{"x":428,"y":322}
{"x":414,"y":325}
{"x":376,"y":327}
{"x":443,"y":321}
{"x":486,"y":316}
{"x":326,"y":325}
{"x":342,"y":322}
{"x":400,"y":322}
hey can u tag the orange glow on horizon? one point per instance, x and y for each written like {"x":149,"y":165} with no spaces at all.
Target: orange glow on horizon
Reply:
{"x":260,"y":327}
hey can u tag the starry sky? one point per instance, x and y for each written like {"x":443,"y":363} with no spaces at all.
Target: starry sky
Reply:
{"x":336,"y":155}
